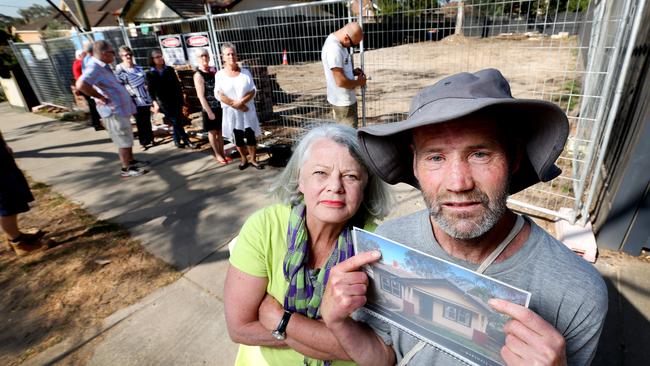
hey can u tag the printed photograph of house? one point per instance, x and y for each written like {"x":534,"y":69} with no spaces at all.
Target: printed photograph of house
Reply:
{"x":437,"y":301}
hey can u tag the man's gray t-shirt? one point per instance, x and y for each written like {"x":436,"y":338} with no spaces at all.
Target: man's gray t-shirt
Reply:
{"x":566,"y":291}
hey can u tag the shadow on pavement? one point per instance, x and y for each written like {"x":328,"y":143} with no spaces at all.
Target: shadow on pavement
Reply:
{"x":625,"y":339}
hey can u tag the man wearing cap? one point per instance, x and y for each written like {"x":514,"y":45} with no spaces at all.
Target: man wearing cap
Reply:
{"x":339,"y":74}
{"x":468,"y":144}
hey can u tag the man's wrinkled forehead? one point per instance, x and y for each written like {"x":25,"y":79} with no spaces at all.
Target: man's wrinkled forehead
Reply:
{"x":478,"y":127}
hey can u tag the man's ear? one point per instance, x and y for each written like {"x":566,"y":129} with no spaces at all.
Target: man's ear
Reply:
{"x":415,"y":164}
{"x":517,"y":156}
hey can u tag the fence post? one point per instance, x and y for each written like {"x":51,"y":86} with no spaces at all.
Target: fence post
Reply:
{"x":603,"y":106}
{"x":460,"y":16}
{"x":125,"y":35}
{"x":613,"y":109}
{"x":361,"y":60}
{"x":213,"y":35}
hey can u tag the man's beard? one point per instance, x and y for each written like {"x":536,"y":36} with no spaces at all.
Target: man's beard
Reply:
{"x":464,"y":226}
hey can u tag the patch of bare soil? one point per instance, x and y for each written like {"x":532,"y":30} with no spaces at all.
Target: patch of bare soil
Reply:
{"x":537,"y":68}
{"x":615,"y":257}
{"x":94,"y":270}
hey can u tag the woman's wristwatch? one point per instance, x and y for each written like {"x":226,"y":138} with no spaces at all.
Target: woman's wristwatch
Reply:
{"x":280,"y":333}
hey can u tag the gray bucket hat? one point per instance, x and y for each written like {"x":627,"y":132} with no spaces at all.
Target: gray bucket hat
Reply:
{"x":541,"y":125}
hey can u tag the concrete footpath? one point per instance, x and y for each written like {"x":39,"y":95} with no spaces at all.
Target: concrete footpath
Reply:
{"x":185,"y":211}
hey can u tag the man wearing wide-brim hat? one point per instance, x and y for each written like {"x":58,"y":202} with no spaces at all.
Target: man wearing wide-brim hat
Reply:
{"x":467,"y":144}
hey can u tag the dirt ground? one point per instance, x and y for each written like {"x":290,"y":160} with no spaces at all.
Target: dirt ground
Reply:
{"x":94,"y":270}
{"x":536,"y":67}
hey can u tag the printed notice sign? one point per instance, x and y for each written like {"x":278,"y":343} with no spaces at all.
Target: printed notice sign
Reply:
{"x":195,"y":43}
{"x":172,"y":49}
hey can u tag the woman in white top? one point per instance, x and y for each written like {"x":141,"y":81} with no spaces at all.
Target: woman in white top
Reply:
{"x":236,"y":90}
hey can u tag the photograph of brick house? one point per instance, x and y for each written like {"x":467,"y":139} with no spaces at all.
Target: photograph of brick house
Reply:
{"x":437,"y":301}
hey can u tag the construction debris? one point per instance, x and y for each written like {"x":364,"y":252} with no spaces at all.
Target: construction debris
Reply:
{"x":50,"y":108}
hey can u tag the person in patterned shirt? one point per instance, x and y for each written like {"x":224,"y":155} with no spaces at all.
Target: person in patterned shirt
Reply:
{"x":133,"y":77}
{"x":114,"y":105}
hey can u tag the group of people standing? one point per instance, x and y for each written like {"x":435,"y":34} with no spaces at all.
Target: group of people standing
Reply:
{"x":226,"y":99}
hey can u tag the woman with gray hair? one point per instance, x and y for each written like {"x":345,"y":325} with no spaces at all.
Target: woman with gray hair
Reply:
{"x":284,"y":252}
{"x":236,"y":90}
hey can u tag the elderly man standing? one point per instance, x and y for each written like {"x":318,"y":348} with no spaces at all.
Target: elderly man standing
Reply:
{"x":82,"y":58}
{"x":340,"y":77}
{"x":468,"y":144}
{"x":114,"y":105}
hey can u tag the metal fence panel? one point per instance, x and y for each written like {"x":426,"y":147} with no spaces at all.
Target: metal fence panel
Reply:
{"x":291,"y":97}
{"x":48,"y":64}
{"x":48,"y":85}
{"x":546,"y":53}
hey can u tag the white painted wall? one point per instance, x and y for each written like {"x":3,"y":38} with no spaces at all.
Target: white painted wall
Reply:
{"x":12,"y":92}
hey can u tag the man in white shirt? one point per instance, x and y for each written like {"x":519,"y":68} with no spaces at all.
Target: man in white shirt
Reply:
{"x":340,"y":75}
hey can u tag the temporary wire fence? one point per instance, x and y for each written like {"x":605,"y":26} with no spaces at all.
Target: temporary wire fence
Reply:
{"x":549,"y":53}
{"x":282,"y":48}
{"x":48,"y":85}
{"x":570,"y":56}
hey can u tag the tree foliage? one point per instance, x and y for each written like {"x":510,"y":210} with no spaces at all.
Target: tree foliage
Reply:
{"x":52,"y":29}
{"x":410,"y":7}
{"x":7,"y":59}
{"x":33,"y":12}
{"x":530,"y":8}
{"x":422,"y":265}
{"x":7,"y":21}
{"x":366,"y":245}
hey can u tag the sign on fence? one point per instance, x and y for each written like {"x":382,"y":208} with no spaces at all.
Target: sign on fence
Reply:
{"x":194,"y":43}
{"x":172,"y":49}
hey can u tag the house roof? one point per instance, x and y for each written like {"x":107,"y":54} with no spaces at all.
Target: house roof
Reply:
{"x":38,"y":23}
{"x":194,"y":8}
{"x":415,"y":281}
{"x":191,"y":8}
{"x":186,"y":8}
{"x":420,"y":283}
